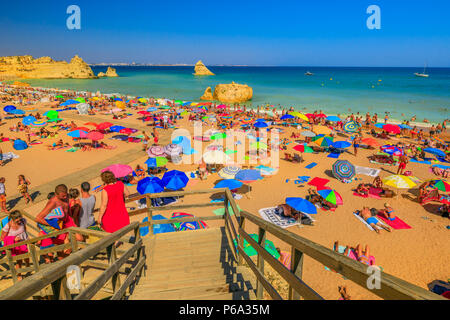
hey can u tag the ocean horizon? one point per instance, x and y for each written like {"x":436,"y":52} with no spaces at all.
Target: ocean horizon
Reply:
{"x":335,"y":90}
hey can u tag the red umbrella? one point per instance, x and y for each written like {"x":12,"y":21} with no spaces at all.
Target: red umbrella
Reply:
{"x":309,"y":115}
{"x":104,"y":125}
{"x":391,"y":128}
{"x":320,"y":115}
{"x":91,"y":124}
{"x":144,"y":113}
{"x":82,"y":129}
{"x":126,"y":131}
{"x":95,"y":136}
{"x":224,"y":115}
{"x":370,"y":142}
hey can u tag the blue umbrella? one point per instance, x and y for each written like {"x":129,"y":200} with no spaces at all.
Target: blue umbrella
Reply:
{"x":404,"y":126}
{"x":157,"y":228}
{"x":175,"y":180}
{"x":435,"y":151}
{"x":260,"y":124}
{"x":77,"y":134}
{"x":28,"y":120}
{"x":333,"y":118}
{"x":116,"y":128}
{"x":379,"y":125}
{"x":287,"y":116}
{"x":341,"y":144}
{"x":228,"y":183}
{"x":301,"y":205}
{"x":150,"y":185}
{"x":9,"y":108}
{"x":69,"y":102}
{"x":342,"y":169}
{"x":117,"y":99}
{"x":151,"y":109}
{"x":261,"y":120}
{"x":248,"y":175}
{"x":20,"y":145}
{"x":351,"y":126}
{"x":17,"y":111}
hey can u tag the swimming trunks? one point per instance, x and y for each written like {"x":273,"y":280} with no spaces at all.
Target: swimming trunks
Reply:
{"x":372,"y":220}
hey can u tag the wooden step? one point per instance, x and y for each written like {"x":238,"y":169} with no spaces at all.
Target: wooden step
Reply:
{"x":186,"y":293}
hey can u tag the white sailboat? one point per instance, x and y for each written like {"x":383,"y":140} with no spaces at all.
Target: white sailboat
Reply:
{"x":423,"y":75}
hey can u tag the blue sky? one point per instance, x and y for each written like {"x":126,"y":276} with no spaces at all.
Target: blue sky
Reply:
{"x":285,"y":33}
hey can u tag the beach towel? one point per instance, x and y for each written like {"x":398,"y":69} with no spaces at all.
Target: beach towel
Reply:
{"x":270,"y":215}
{"x":371,"y":172}
{"x":334,"y":155}
{"x":352,"y":255}
{"x":384,"y":164}
{"x":311,"y":165}
{"x":35,"y":143}
{"x":9,"y":156}
{"x":396,"y":224}
{"x":73,"y":149}
{"x":318,"y":182}
{"x":441,"y":166}
{"x":417,"y":161}
{"x":356,"y":214}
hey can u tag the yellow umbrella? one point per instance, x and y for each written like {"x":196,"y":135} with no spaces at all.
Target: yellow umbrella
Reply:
{"x":143,"y":100}
{"x":400,"y":181}
{"x":120,"y":104}
{"x":321,"y":130}
{"x":299,"y":115}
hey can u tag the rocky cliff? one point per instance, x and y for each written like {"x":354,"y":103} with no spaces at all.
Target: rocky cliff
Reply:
{"x":26,"y":67}
{"x":201,"y":70}
{"x":111,"y":72}
{"x":229,"y":93}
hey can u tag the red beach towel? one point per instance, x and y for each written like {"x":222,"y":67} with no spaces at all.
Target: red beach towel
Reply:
{"x":396,"y":224}
{"x":318,"y":182}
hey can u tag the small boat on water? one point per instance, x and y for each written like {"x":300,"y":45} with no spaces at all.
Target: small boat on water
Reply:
{"x":307,"y":73}
{"x":423,"y":75}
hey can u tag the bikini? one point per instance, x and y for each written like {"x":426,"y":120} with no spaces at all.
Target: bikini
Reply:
{"x":388,"y":213}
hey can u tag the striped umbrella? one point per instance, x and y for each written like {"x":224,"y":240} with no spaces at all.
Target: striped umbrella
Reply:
{"x":229,"y":172}
{"x":441,"y":185}
{"x":194,"y":225}
{"x":400,"y":181}
{"x":342,"y":169}
{"x":173,"y":149}
{"x":39,"y":123}
{"x":77,"y":134}
{"x":156,"y":151}
{"x":331,"y":196}
{"x":156,"y":162}
{"x":248,"y":175}
{"x":323,"y":141}
{"x":308,"y":134}
{"x":351,"y":126}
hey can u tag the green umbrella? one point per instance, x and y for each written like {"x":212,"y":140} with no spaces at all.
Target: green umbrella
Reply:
{"x":59,"y":97}
{"x":52,"y":114}
{"x":165,"y":107}
{"x":250,"y":251}
{"x":221,"y":211}
{"x":55,"y":120}
{"x":184,"y":113}
{"x":205,"y":118}
{"x":217,"y":136}
{"x":82,"y":100}
{"x":178,"y":102}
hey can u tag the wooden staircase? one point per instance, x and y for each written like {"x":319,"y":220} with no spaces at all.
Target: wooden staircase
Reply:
{"x":192,"y":265}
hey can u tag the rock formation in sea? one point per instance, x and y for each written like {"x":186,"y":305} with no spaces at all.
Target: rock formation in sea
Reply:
{"x":26,"y":67}
{"x":201,"y":70}
{"x":207,"y":95}
{"x":229,"y":93}
{"x":111,"y":72}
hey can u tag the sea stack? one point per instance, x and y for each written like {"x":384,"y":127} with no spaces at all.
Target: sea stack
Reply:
{"x":229,"y":93}
{"x":26,"y":67}
{"x":201,"y":70}
{"x":111,"y":72}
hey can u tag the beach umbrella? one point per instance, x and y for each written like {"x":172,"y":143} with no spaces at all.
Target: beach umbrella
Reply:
{"x":228,"y":183}
{"x":156,"y":162}
{"x":250,"y":251}
{"x":351,"y":126}
{"x":81,"y":100}
{"x":51,"y":114}
{"x":215,"y":157}
{"x":404,"y":126}
{"x":144,"y":112}
{"x":127,"y":131}
{"x":299,"y":115}
{"x":39,"y":123}
{"x":152,"y":109}
{"x":393,"y":150}
{"x":391,"y":128}
{"x":69,"y":102}
{"x":77,"y":134}
{"x":229,"y":172}
{"x":28,"y":120}
{"x":371,"y":142}
{"x":333,"y":118}
{"x":17,"y":112}
{"x":309,"y":134}
{"x":342,"y":169}
{"x":247,"y":120}
{"x":323,"y":141}
{"x":441,"y":185}
{"x":301,"y":205}
{"x":142,"y":100}
{"x":341,"y":144}
{"x":20,"y":145}
{"x":156,"y":151}
{"x":173,"y":149}
{"x":260,"y":124}
{"x":331,"y":196}
{"x":119,"y":170}
{"x":59,"y":97}
{"x":304,"y":149}
{"x":150,"y":185}
{"x":322,"y":130}
{"x":95,"y":136}
{"x":400,"y":181}
{"x":91,"y":124}
{"x":157,"y":228}
{"x":175,"y":179}
{"x":435,"y":151}
{"x":287,"y":116}
{"x":9,"y":108}
{"x":221,"y":106}
{"x":116,"y":128}
{"x":104,"y":125}
{"x":248,"y":175}
{"x":193,"y":225}
{"x":218,"y":136}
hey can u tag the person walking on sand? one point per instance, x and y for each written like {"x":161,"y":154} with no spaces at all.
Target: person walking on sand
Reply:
{"x":87,"y":218}
{"x":355,"y":143}
{"x":402,"y":161}
{"x":3,"y":195}
{"x":22,"y":187}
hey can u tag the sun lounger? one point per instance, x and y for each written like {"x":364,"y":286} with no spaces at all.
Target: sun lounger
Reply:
{"x":356,"y":214}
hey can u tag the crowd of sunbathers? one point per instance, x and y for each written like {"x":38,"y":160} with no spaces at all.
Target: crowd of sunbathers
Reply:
{"x":364,"y":189}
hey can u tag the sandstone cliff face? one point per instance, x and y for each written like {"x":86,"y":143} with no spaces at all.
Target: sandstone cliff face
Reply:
{"x":26,"y":67}
{"x":201,"y":70}
{"x":229,"y":93}
{"x":111,"y":72}
{"x":207,"y":95}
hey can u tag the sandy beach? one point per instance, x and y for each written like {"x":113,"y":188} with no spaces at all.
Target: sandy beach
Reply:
{"x":418,"y":255}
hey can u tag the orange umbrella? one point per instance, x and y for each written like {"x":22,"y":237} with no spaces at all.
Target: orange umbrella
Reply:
{"x":90,"y":124}
{"x":371,"y":142}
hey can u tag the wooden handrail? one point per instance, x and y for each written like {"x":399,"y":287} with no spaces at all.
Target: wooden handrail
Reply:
{"x":54,"y":272}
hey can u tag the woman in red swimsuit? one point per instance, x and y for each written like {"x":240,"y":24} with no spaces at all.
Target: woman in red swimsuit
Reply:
{"x":113,"y":213}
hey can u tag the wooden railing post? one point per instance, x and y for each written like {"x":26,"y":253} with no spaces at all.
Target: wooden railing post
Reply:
{"x":241,"y":239}
{"x":115,"y":279}
{"x":11,"y":265}
{"x":73,"y":241}
{"x":260,"y":262}
{"x":34,"y":256}
{"x":297,"y":269}
{"x":60,"y":289}
{"x":148,"y":202}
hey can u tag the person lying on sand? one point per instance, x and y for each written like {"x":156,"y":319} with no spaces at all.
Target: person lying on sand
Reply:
{"x":57,"y":145}
{"x":444,"y":210}
{"x":362,"y":189}
{"x":316,"y":198}
{"x":366,"y":214}
{"x":361,"y":256}
{"x":388,"y":212}
{"x":286,"y":210}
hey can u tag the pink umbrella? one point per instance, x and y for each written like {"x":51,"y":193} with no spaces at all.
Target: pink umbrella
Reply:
{"x":221,"y":106}
{"x":156,"y":151}
{"x":104,"y":125}
{"x":144,"y":112}
{"x":95,"y":136}
{"x":391,"y":128}
{"x":119,"y":170}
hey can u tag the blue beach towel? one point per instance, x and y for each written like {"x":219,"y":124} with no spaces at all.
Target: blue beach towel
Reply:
{"x":311,"y":165}
{"x":334,"y":155}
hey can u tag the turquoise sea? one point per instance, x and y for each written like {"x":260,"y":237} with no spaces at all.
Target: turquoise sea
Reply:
{"x":335,"y":90}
